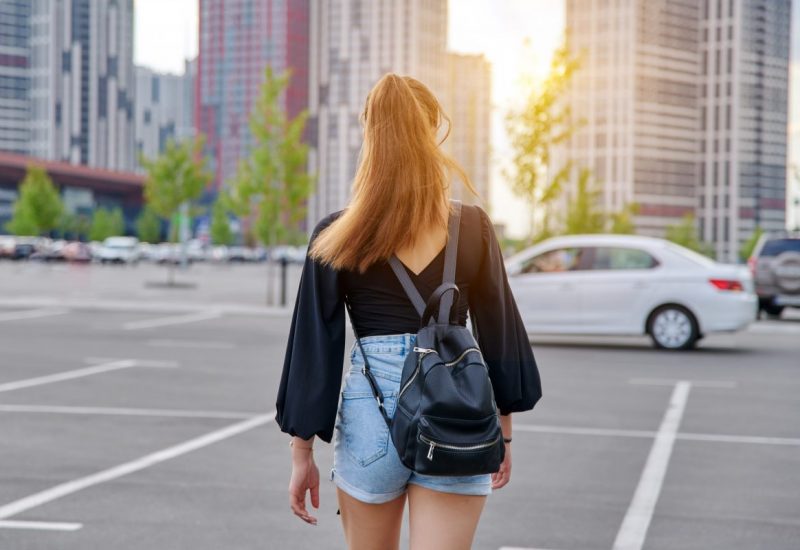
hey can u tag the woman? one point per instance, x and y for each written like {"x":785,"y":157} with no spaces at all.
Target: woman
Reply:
{"x":400,"y":205}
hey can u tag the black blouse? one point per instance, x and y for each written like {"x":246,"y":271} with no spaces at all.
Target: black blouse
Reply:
{"x":308,"y":395}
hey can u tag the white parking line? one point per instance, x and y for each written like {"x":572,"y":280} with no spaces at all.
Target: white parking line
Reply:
{"x":684,"y":436}
{"x":68,"y":375}
{"x":191,"y":344}
{"x":172,"y":320}
{"x":64,"y":489}
{"x":634,"y":526}
{"x":139,"y":362}
{"x":41,"y":525}
{"x":32,"y":314}
{"x":124,"y":411}
{"x":726,"y":384}
{"x":570,"y":430}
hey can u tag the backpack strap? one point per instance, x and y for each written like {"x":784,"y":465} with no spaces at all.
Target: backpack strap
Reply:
{"x":450,"y":256}
{"x":450,"y":261}
{"x":408,"y":284}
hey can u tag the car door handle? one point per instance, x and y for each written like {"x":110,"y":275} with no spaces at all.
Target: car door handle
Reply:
{"x":639,"y":285}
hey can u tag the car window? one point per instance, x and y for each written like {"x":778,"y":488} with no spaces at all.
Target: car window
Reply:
{"x":622,"y":258}
{"x":774,"y":247}
{"x":554,"y":261}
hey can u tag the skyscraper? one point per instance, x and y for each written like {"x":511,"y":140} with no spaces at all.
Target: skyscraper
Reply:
{"x":353,"y":43}
{"x":636,"y":95}
{"x":14,"y":75}
{"x":468,"y":103}
{"x":744,"y":118}
{"x":684,"y":104}
{"x":161,"y":110}
{"x":81,"y":82}
{"x":238,"y":39}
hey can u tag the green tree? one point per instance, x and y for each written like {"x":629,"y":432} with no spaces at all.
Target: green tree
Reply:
{"x":747,"y":247}
{"x":220,"y":225}
{"x":38,"y":209}
{"x":272,"y":184}
{"x":685,"y":234}
{"x":148,"y":226}
{"x":544,"y":122}
{"x":106,"y":223}
{"x":582,"y":214}
{"x":178,"y":176}
{"x":622,"y":221}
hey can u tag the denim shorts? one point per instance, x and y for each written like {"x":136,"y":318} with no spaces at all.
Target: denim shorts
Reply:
{"x":365,"y":462}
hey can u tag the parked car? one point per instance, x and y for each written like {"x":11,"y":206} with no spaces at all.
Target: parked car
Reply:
{"x":7,"y":243}
{"x":23,"y":248}
{"x":775,"y":265}
{"x":119,"y":250}
{"x":48,"y":250}
{"x":625,"y":284}
{"x":76,"y":252}
{"x":240,"y":254}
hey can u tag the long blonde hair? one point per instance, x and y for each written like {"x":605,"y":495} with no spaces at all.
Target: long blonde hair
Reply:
{"x":401,"y":187}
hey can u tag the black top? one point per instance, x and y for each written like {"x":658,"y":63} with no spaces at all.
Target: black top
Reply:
{"x":308,"y":395}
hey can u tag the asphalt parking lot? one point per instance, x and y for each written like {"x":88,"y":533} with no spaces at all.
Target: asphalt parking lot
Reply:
{"x":129,"y":425}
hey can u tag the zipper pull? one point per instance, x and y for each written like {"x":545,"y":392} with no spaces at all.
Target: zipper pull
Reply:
{"x":423,"y":350}
{"x":430,"y":450}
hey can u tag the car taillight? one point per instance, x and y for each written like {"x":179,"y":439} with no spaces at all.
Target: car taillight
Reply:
{"x":751,"y":263}
{"x":727,"y":284}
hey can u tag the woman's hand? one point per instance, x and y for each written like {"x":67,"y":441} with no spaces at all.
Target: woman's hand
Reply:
{"x":305,"y":477}
{"x":503,"y":475}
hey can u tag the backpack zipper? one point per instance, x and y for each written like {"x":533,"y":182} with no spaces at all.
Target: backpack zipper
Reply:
{"x":433,"y":444}
{"x":422,"y":353}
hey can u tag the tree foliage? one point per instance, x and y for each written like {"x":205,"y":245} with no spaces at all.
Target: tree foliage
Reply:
{"x":749,"y":245}
{"x":544,"y":122}
{"x":582,"y":212}
{"x":106,"y":223}
{"x":39,"y":208}
{"x":220,"y":224}
{"x":685,"y":234}
{"x":622,"y":220}
{"x":272,"y":184}
{"x":148,"y":226}
{"x":178,"y":175}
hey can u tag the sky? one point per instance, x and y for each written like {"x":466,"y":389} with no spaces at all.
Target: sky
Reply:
{"x":517,"y":37}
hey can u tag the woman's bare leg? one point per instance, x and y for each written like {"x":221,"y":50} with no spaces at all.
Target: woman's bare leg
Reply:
{"x":442,"y":521}
{"x":371,"y":526}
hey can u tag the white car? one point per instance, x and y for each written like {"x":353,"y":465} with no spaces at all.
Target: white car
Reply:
{"x":119,"y":249}
{"x":626,"y":285}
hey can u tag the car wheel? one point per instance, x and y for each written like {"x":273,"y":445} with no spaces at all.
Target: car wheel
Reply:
{"x":673,"y":327}
{"x":772,"y":311}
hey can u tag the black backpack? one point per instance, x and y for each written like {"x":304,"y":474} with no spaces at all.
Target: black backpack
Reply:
{"x":446,"y":420}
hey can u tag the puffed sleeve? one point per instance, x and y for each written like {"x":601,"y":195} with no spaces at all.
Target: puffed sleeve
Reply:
{"x":500,"y":332}
{"x":308,"y":394}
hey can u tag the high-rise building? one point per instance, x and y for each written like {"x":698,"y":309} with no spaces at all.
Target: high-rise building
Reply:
{"x":683,"y":105}
{"x":744,"y":117}
{"x":82,"y":83}
{"x":635,"y":96}
{"x":468,"y":104}
{"x":238,"y":39}
{"x":354,"y":43}
{"x":14,"y":75}
{"x":161,"y":110}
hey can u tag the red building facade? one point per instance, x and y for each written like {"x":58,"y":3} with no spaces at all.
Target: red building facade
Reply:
{"x":237,"y":40}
